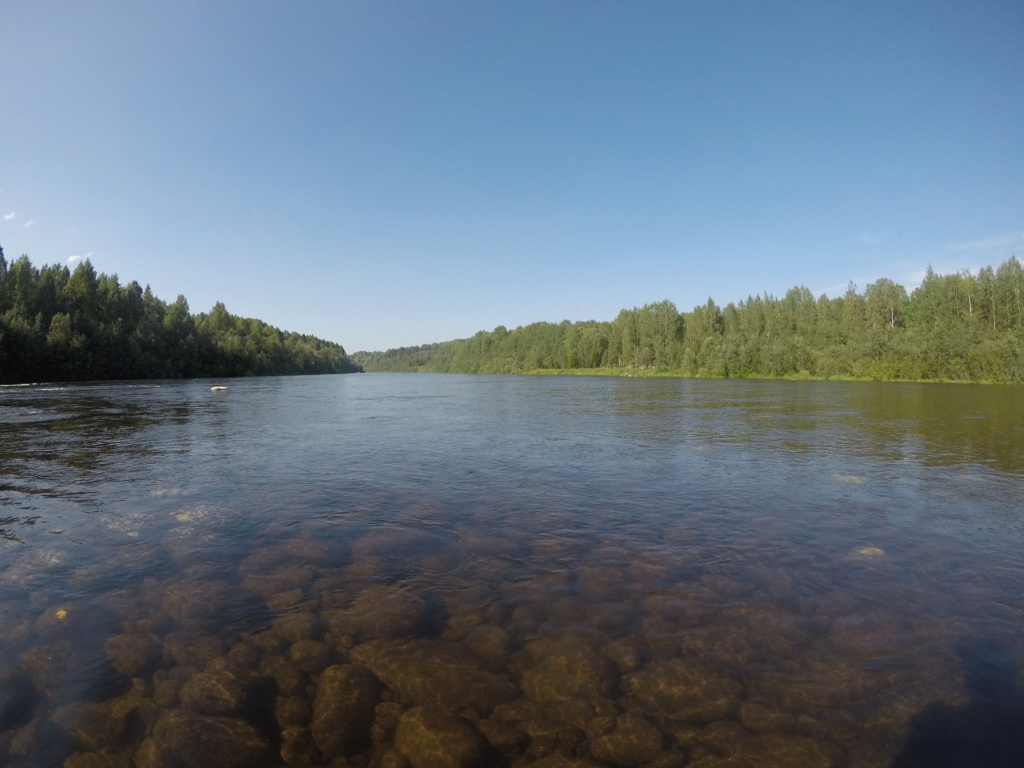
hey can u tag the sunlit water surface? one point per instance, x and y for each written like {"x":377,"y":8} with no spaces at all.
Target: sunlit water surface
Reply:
{"x":471,"y":571}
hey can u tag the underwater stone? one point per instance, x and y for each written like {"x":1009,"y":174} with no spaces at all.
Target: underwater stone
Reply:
{"x":392,"y":758}
{"x":730,"y":746}
{"x":576,"y":674}
{"x":504,"y":737}
{"x":386,"y":611}
{"x":294,"y":627}
{"x":560,"y":761}
{"x":290,"y":679}
{"x":190,"y":650}
{"x":311,"y":656}
{"x":167,"y":684}
{"x":133,"y":655}
{"x":217,"y":692}
{"x":298,"y":748}
{"x":429,"y":738}
{"x":679,"y":691}
{"x":283,"y":601}
{"x":292,"y":711}
{"x":491,"y":643}
{"x":202,"y":741}
{"x":94,"y":760}
{"x":90,"y":724}
{"x":388,"y":713}
{"x":633,"y":742}
{"x":343,"y":709}
{"x":431,"y":672}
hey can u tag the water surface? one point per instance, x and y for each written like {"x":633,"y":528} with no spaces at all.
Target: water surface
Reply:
{"x":527,"y":571}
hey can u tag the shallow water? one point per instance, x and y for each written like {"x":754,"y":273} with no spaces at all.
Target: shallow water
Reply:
{"x":393,"y":570}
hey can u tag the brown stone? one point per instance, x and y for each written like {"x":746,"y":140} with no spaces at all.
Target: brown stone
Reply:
{"x":430,"y":738}
{"x":294,"y":627}
{"x":190,"y":650}
{"x":577,"y":674}
{"x":216,"y":692}
{"x":293,"y":711}
{"x":633,"y":742}
{"x":311,"y":656}
{"x":343,"y":709}
{"x":96,"y":760}
{"x":133,"y":655}
{"x":202,"y":741}
{"x":435,"y":673}
{"x":298,"y":748}
{"x":91,"y":725}
{"x":680,"y":691}
{"x":491,"y":643}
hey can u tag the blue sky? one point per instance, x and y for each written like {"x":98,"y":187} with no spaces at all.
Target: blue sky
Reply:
{"x":385,"y":174}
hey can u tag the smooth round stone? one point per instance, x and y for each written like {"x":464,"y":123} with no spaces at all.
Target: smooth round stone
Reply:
{"x":633,"y":742}
{"x":679,"y":691}
{"x":430,"y":738}
{"x":201,"y":741}
{"x":344,"y":709}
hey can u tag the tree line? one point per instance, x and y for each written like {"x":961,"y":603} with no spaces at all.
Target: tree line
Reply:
{"x":59,"y":325}
{"x":958,"y":327}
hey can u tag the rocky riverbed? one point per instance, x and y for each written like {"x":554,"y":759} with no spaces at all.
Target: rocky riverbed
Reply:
{"x":406,"y":646}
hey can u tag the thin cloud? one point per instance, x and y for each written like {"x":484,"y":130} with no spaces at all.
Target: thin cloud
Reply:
{"x":1005,"y":240}
{"x":29,"y":223}
{"x":8,"y":216}
{"x":73,"y":259}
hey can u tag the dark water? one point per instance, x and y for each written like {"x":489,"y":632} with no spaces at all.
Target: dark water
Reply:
{"x":470,"y":571}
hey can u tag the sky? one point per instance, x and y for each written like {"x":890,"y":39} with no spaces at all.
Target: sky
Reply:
{"x":391,"y":173}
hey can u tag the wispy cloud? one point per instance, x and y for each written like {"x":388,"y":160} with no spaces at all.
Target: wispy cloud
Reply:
{"x":8,"y":216}
{"x":78,"y":257}
{"x":1005,"y":240}
{"x":29,"y":223}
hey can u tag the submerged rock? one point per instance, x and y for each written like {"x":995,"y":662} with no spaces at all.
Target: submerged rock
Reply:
{"x":727,"y":745}
{"x":91,"y":725}
{"x":435,"y":673}
{"x":343,"y":710}
{"x":96,"y":760}
{"x":191,"y":650}
{"x":429,"y":738}
{"x":384,"y":610}
{"x":202,"y":741}
{"x":679,"y":691}
{"x":633,"y":741}
{"x":216,"y":691}
{"x":133,"y":655}
{"x":491,"y":643}
{"x":573,"y":674}
{"x":311,"y":656}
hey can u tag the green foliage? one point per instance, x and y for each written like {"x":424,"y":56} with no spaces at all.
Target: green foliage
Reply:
{"x":962,"y":327}
{"x":57,"y":325}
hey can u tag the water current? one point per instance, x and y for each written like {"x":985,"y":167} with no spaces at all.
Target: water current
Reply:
{"x":427,"y":571}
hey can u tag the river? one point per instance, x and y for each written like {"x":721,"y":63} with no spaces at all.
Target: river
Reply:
{"x":431,"y":570}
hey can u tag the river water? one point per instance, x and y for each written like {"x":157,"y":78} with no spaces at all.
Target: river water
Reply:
{"x":428,"y":570}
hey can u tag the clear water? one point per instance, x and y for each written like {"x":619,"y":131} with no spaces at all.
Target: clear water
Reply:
{"x":571,"y":571}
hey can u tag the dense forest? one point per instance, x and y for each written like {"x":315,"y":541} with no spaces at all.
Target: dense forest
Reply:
{"x":959,"y":327}
{"x":59,"y":325}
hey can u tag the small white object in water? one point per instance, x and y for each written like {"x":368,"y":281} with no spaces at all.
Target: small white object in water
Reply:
{"x":849,"y":479}
{"x":871,"y":552}
{"x":217,"y":389}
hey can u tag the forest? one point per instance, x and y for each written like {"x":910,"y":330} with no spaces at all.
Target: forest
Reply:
{"x":59,"y":325}
{"x":957,"y":327}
